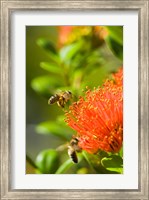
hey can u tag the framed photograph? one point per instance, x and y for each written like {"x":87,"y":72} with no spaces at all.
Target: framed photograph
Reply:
{"x":74,"y":99}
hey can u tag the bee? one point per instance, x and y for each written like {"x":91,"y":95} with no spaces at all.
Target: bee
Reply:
{"x":61,"y":99}
{"x":73,"y":148}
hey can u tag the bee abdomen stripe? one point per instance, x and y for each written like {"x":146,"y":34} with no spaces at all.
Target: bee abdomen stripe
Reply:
{"x":74,"y":157}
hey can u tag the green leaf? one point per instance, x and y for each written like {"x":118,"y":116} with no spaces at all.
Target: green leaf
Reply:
{"x":50,"y":48}
{"x":64,"y":167}
{"x":67,"y":52}
{"x":115,"y":47}
{"x":67,"y":164}
{"x":77,"y":79}
{"x":113,"y":163}
{"x":94,"y":161}
{"x":116,"y":32}
{"x":61,"y":120}
{"x":47,"y":45}
{"x":48,"y":161}
{"x":120,"y":153}
{"x":54,"y":128}
{"x":46,"y":85}
{"x":50,"y":67}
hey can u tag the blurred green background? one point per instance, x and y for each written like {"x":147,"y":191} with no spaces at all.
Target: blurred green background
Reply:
{"x":102,"y":55}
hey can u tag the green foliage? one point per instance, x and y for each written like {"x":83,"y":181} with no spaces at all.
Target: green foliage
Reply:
{"x":116,"y":32}
{"x":50,"y":67}
{"x":65,"y":166}
{"x":115,"y":40}
{"x":46,"y":85}
{"x":120,"y":153}
{"x":113,"y":163}
{"x":68,"y":52}
{"x":99,"y":162}
{"x":52,"y":127}
{"x":116,"y":48}
{"x":49,"y":47}
{"x":73,"y":67}
{"x":47,"y":161}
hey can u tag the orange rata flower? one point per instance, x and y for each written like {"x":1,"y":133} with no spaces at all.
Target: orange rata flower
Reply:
{"x":70,"y":34}
{"x":64,"y":32}
{"x":98,"y":118}
{"x":118,"y":77}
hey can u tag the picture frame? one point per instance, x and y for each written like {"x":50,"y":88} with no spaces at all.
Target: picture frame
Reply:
{"x":7,"y":8}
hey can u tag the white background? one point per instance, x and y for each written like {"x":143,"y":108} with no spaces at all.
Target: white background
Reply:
{"x":128,"y":180}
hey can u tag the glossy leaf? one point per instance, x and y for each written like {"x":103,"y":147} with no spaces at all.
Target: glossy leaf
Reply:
{"x":54,"y":128}
{"x":120,"y":153}
{"x":68,"y":164}
{"x":115,"y":47}
{"x":50,"y":67}
{"x":116,"y":32}
{"x":45,"y":85}
{"x":67,"y":52}
{"x":50,"y":48}
{"x":47,"y":45}
{"x":94,"y":161}
{"x":65,"y":166}
{"x":113,"y":163}
{"x":47,"y":161}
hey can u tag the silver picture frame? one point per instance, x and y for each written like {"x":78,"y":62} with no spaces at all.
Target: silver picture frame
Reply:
{"x":7,"y":8}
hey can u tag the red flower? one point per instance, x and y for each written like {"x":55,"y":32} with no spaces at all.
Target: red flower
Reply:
{"x":64,"y":32}
{"x":70,"y":34}
{"x":98,"y":119}
{"x":118,"y":77}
